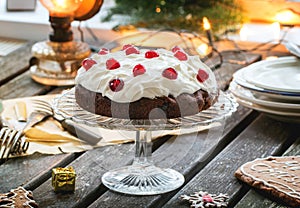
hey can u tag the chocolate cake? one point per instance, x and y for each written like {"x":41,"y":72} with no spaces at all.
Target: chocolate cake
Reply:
{"x":145,"y":84}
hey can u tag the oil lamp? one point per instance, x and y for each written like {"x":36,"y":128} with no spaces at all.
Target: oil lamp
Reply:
{"x":59,"y":58}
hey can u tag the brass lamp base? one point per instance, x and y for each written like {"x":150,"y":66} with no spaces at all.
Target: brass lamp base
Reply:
{"x":58,"y":62}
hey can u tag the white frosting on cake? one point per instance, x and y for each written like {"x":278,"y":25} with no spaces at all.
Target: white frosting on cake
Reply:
{"x":151,"y":84}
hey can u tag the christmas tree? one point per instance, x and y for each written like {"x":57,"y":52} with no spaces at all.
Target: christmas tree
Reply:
{"x":177,"y":14}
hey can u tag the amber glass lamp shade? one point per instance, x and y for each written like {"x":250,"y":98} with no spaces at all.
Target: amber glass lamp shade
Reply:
{"x":87,"y":9}
{"x":59,"y":58}
{"x":61,"y":8}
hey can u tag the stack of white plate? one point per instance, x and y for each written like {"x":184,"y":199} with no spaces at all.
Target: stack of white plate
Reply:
{"x":270,"y":86}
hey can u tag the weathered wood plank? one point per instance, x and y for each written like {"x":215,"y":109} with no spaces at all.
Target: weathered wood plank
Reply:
{"x":89,"y":168}
{"x":22,"y":86}
{"x":254,"y":199}
{"x":15,"y":63}
{"x":30,"y":171}
{"x":263,"y":137}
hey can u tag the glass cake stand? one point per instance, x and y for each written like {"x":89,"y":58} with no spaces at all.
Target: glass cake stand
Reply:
{"x":143,"y":177}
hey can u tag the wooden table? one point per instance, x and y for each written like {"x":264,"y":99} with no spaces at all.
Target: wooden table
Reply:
{"x":208,"y":164}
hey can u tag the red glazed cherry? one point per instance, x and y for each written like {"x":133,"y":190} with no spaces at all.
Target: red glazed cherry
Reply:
{"x":88,"y":63}
{"x":132,"y":50}
{"x":181,"y":56}
{"x":170,"y":73}
{"x":112,"y":64}
{"x":103,"y":51}
{"x":127,"y":46}
{"x":116,"y":85}
{"x":138,"y":70}
{"x":151,"y":54}
{"x":202,"y":75}
{"x":175,"y":48}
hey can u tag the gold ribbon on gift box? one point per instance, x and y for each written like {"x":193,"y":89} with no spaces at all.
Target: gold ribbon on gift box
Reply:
{"x":63,"y":177}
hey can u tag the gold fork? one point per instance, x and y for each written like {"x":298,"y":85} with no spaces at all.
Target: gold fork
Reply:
{"x":79,"y":131}
{"x":12,"y":141}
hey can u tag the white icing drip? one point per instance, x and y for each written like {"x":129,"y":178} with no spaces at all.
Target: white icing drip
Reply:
{"x":291,"y":165}
{"x":292,"y":192}
{"x":275,"y":172}
{"x":267,"y":170}
{"x":151,"y":84}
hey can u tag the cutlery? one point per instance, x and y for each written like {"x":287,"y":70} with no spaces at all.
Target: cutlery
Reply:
{"x":34,"y":118}
{"x":20,"y":110}
{"x":11,"y":141}
{"x":74,"y":129}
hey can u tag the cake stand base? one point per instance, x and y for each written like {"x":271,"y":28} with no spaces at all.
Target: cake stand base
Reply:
{"x":140,"y":179}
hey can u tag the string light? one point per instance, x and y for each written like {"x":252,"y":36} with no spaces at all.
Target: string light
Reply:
{"x":207,"y":28}
{"x":157,"y":9}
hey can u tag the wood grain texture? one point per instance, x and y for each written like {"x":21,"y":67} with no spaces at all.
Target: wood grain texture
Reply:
{"x":29,"y":171}
{"x":262,"y":138}
{"x":15,"y":63}
{"x":22,"y":86}
{"x":89,"y":168}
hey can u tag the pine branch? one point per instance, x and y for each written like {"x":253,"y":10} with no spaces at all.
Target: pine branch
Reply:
{"x":177,"y":14}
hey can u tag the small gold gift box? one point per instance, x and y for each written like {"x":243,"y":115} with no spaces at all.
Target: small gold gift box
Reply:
{"x":63,"y":179}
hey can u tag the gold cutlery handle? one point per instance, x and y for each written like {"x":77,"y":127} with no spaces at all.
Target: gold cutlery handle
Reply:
{"x":21,"y":111}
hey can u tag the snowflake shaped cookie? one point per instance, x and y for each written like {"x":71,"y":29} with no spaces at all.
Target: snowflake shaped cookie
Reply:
{"x":203,"y":199}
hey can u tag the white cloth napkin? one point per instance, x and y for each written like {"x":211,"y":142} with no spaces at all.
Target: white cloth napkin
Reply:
{"x":48,"y":137}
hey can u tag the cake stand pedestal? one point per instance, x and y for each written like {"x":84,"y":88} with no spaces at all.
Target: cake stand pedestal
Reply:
{"x":143,"y":177}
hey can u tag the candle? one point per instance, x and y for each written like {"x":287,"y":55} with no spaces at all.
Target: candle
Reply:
{"x":276,"y":31}
{"x":244,"y":31}
{"x":207,"y":28}
{"x":260,"y":32}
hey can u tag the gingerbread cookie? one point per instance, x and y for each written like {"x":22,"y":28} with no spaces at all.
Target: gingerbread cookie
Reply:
{"x":278,"y":176}
{"x":17,"y":198}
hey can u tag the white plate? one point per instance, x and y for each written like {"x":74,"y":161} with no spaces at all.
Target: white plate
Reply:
{"x":282,"y":74}
{"x":287,"y":96}
{"x":278,"y":115}
{"x":247,"y":95}
{"x":293,"y":48}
